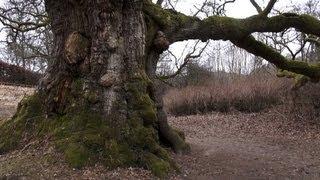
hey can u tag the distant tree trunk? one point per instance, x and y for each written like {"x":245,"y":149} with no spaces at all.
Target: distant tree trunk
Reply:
{"x":101,"y":86}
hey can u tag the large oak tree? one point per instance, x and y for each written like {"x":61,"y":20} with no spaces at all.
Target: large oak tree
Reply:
{"x":99,"y":100}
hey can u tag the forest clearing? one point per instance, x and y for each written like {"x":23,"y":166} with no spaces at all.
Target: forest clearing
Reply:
{"x":235,"y":145}
{"x":159,"y":89}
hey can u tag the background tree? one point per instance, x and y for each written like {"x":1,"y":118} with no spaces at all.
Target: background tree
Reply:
{"x":99,"y":99}
{"x":29,"y":41}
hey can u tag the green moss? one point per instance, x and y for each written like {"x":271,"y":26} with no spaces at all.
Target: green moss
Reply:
{"x":77,"y":86}
{"x":299,"y":79}
{"x":84,"y":137}
{"x":118,"y":154}
{"x":29,"y":108}
{"x":30,"y":111}
{"x":166,"y":18}
{"x":158,"y":166}
{"x":76,"y":154}
{"x":147,"y":109}
{"x":309,"y":24}
{"x":180,"y":133}
{"x":141,"y":102}
{"x":230,"y":27}
{"x":8,"y":143}
{"x":143,"y":137}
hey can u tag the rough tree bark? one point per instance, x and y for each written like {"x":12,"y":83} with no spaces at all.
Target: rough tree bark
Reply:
{"x":99,"y":100}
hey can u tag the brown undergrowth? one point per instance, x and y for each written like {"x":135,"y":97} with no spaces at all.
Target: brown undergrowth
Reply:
{"x":245,"y":94}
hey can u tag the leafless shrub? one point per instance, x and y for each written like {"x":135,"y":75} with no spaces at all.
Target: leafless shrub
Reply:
{"x":17,"y":75}
{"x":245,"y":94}
{"x":305,"y":103}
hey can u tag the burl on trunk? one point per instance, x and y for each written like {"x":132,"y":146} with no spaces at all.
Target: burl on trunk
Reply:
{"x":98,"y":101}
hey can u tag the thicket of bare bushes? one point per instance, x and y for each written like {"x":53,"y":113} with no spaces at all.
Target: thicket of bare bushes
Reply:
{"x":245,"y":94}
{"x":305,"y":103}
{"x":17,"y":75}
{"x":258,"y":91}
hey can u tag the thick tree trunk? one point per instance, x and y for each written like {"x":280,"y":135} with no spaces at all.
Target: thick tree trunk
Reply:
{"x":99,"y":98}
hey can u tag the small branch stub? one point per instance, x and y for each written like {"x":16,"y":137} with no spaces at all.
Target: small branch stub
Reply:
{"x":161,"y":42}
{"x":76,"y":48}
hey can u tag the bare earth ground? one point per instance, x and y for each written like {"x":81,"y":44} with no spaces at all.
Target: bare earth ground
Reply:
{"x":224,"y":146}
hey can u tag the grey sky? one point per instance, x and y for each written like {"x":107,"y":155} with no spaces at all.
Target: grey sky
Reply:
{"x":239,"y":9}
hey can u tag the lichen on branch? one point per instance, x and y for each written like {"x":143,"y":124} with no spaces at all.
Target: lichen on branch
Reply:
{"x":260,"y":49}
{"x":178,"y":27}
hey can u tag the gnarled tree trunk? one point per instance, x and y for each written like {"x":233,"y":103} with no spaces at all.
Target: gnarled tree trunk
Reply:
{"x":99,"y":98}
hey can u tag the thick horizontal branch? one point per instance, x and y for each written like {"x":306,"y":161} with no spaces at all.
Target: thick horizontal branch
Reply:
{"x":313,"y":40}
{"x":299,"y":80}
{"x":180,"y":27}
{"x":260,"y":49}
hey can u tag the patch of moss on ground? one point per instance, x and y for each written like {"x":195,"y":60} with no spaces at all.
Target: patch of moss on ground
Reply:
{"x":84,"y":137}
{"x":158,"y":167}
{"x":29,"y":112}
{"x":76,"y":154}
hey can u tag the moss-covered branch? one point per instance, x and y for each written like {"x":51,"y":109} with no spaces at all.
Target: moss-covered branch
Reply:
{"x":299,"y":80}
{"x":179,"y":26}
{"x":260,"y":49}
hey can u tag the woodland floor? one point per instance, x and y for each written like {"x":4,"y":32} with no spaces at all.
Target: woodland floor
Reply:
{"x":224,"y":146}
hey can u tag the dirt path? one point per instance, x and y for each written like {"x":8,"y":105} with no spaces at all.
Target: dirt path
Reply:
{"x":234,"y":146}
{"x":229,"y":147}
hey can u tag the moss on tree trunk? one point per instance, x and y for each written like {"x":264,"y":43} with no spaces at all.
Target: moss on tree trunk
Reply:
{"x":97,"y":102}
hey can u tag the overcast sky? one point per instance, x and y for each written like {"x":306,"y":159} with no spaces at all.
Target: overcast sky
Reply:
{"x":238,"y":9}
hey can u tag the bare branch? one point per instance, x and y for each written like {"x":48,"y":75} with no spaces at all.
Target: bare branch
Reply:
{"x":255,"y":4}
{"x":269,"y":7}
{"x":313,"y":40}
{"x":159,"y":2}
{"x":201,"y":8}
{"x":186,"y":60}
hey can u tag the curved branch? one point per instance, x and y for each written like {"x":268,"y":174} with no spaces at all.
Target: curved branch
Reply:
{"x":186,"y":61}
{"x":256,"y":5}
{"x":269,"y":7}
{"x":159,"y":2}
{"x":260,"y":49}
{"x":179,"y":27}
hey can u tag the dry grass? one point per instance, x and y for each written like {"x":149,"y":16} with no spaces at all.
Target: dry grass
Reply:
{"x":248,"y":94}
{"x":10,"y":96}
{"x":304,"y":104}
{"x":266,"y":144}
